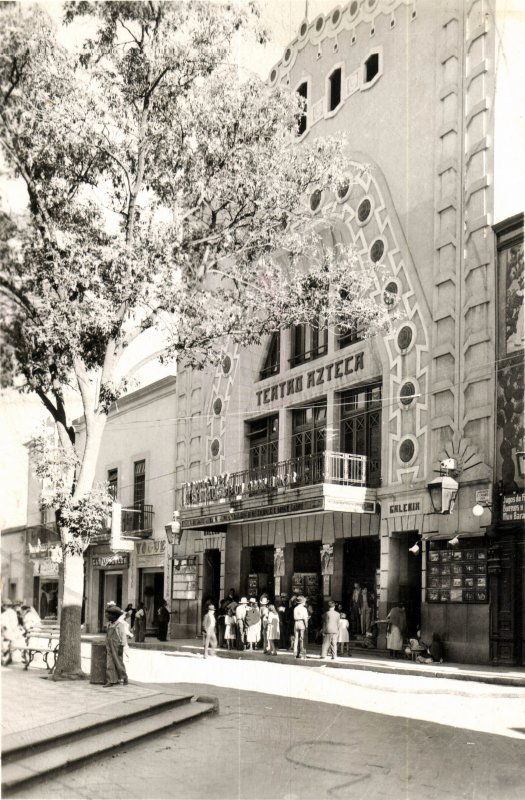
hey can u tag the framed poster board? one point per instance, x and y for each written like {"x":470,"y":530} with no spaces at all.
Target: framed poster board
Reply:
{"x":457,"y":576}
{"x":184,"y":579}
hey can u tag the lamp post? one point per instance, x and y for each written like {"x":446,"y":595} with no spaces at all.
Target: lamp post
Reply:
{"x":174,"y":537}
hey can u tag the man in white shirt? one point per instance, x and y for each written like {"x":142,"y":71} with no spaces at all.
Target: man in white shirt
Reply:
{"x":208,"y":627}
{"x":300,"y":616}
{"x":240,"y":617}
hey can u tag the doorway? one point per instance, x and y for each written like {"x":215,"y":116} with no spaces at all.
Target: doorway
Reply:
{"x":110,"y":589}
{"x":151,"y":591}
{"x":360,"y":565}
{"x":211,"y":579}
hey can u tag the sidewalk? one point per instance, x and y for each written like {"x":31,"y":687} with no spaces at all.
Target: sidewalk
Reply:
{"x":359,"y":660}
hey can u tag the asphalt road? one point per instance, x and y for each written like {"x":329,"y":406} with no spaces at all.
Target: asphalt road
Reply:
{"x":271,"y":746}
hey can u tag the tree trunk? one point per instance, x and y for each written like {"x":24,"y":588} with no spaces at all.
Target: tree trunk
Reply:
{"x":69,"y":665}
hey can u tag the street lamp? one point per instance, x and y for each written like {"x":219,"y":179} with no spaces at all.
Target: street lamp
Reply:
{"x":443,"y":492}
{"x":173,"y":530}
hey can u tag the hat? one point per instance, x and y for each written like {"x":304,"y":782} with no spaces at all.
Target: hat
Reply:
{"x":114,"y":610}
{"x":253,"y":600}
{"x":211,"y":607}
{"x":264,"y":601}
{"x":301,"y":599}
{"x":6,"y":602}
{"x":243,"y":600}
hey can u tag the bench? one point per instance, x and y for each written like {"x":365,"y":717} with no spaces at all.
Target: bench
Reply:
{"x":34,"y":645}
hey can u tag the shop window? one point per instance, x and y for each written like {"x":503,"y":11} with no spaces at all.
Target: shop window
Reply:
{"x":113,"y":483}
{"x":271,"y":363}
{"x":263,"y":435}
{"x":334,"y":89}
{"x":302,"y":91}
{"x":308,"y":343}
{"x":361,"y":427}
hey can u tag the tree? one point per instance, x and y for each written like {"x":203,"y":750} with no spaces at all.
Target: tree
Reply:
{"x":162,"y":191}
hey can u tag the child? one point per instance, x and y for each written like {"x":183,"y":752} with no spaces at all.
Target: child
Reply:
{"x":343,"y":637}
{"x":230,"y":632}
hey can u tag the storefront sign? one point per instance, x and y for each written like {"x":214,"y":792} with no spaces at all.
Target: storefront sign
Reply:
{"x":45,"y":568}
{"x":513,"y":507}
{"x":350,"y":506}
{"x":111,"y":560}
{"x":314,"y":377}
{"x":254,"y":513}
{"x":398,"y":509}
{"x":150,"y":553}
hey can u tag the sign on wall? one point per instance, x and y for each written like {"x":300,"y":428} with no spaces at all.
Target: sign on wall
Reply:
{"x":184,"y":578}
{"x":150,"y":553}
{"x":513,"y":507}
{"x":457,"y":576}
{"x":111,"y":560}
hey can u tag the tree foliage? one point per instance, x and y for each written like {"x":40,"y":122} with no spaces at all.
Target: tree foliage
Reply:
{"x":163,"y":191}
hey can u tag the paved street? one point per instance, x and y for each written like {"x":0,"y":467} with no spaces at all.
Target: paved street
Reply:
{"x":374,"y":736}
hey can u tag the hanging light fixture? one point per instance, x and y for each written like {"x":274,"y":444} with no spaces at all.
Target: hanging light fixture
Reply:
{"x":454,"y":541}
{"x":443,"y":492}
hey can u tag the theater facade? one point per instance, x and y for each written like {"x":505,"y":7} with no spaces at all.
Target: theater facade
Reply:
{"x":303,"y":465}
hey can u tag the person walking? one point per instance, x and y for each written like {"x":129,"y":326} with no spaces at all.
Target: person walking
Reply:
{"x":272,"y":629}
{"x":163,"y":617}
{"x":253,"y":625}
{"x":343,"y":637}
{"x":229,"y":629}
{"x":365,"y":612}
{"x":264,"y":611}
{"x":240,"y":619}
{"x":300,"y":616}
{"x":116,"y":640}
{"x":330,"y":631}
{"x":139,"y":627}
{"x":396,"y":629}
{"x":208,"y":628}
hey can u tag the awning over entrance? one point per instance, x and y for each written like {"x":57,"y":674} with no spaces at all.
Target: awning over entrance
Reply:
{"x":326,"y":527}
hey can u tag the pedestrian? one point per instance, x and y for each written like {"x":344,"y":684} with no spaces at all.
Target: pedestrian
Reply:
{"x":264,"y":600}
{"x":208,"y":628}
{"x":355,"y":610}
{"x":253,"y":625}
{"x":130,"y":615}
{"x":12,"y":634}
{"x":116,"y":640}
{"x":396,"y":629}
{"x":290,"y":621}
{"x":272,"y":629}
{"x":343,"y":637}
{"x":240,"y":619}
{"x":365,"y":612}
{"x":229,"y":629}
{"x":163,"y":617}
{"x":284,"y":638}
{"x":300,"y":615}
{"x":330,"y":631}
{"x":432,"y":654}
{"x":139,"y":628}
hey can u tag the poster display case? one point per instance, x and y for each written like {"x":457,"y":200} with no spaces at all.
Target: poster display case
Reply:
{"x":184,"y":585}
{"x":457,"y":576}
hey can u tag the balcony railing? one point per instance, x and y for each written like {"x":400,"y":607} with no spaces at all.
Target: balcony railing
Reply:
{"x":342,"y":468}
{"x":136,"y":523}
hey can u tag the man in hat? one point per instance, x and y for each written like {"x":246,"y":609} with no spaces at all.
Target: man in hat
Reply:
{"x":240,"y":617}
{"x":330,"y":631}
{"x":300,"y":616}
{"x":208,"y":628}
{"x":116,"y":640}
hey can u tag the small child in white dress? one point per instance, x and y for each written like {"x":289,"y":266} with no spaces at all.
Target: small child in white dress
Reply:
{"x":343,"y":636}
{"x":229,"y":629}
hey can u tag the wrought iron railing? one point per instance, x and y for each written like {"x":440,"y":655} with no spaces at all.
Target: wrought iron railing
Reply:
{"x":136,"y":522}
{"x":342,"y":468}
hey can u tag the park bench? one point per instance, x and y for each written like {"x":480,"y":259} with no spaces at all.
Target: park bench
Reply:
{"x":43,"y":640}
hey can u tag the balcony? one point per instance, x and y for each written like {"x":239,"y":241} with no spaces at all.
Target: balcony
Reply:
{"x":136,"y":524}
{"x":41,"y":539}
{"x":341,"y":469}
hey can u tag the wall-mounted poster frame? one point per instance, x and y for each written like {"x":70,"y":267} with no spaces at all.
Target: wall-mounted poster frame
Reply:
{"x":184,"y":580}
{"x":457,"y":576}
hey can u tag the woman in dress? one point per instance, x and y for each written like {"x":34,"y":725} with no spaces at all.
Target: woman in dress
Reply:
{"x":253,"y":624}
{"x":396,"y":630}
{"x":343,"y":637}
{"x":273,"y":629}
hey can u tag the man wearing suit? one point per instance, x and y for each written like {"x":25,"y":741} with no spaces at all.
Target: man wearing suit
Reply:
{"x":330,"y":630}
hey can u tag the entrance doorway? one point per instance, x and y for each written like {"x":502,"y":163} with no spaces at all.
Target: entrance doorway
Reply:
{"x":307,"y":580}
{"x":211,"y":579}
{"x":260,"y":578}
{"x":360,"y":565}
{"x":151,"y":590}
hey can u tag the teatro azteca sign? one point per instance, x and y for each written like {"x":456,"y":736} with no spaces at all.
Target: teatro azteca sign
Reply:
{"x":314,"y":377}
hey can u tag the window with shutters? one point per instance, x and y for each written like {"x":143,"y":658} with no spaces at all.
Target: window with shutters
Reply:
{"x":113,"y":483}
{"x":263,"y":435}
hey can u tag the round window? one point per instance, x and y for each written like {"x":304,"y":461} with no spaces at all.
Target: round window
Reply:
{"x":364,"y":210}
{"x":343,"y":189}
{"x":215,"y":447}
{"x":273,"y":75}
{"x":319,"y":24}
{"x":353,"y":8}
{"x":406,"y":450}
{"x":407,"y":393}
{"x":390,"y":294}
{"x":335,"y":16}
{"x":404,"y":337}
{"x":217,"y":406}
{"x":315,"y":199}
{"x":226,"y":364}
{"x":288,"y":54}
{"x":304,"y":28}
{"x":377,"y":250}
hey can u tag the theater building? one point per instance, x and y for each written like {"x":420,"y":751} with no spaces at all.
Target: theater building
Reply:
{"x":304,"y":464}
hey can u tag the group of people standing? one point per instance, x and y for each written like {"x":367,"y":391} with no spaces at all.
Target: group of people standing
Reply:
{"x":18,"y":620}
